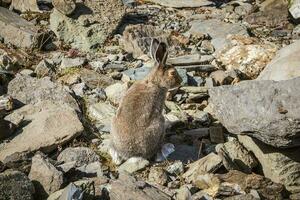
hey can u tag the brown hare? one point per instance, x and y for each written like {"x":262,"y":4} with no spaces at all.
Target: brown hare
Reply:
{"x":138,"y":127}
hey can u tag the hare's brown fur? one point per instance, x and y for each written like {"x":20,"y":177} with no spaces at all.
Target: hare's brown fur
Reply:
{"x":138,"y":127}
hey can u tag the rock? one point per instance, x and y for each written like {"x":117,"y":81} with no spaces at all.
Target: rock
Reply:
{"x":236,"y":157}
{"x":89,"y":27}
{"x":199,"y":117}
{"x":295,"y":9}
{"x":207,"y":164}
{"x":183,"y":4}
{"x":250,"y":59}
{"x":44,"y":68}
{"x":242,"y":196}
{"x":183,"y":75}
{"x":285,"y":65}
{"x":94,"y":80}
{"x":51,"y":124}
{"x":136,"y":74}
{"x":115,"y":92}
{"x":184,"y":153}
{"x":81,"y":155}
{"x":15,"y":185}
{"x":269,"y":115}
{"x":25,"y":5}
{"x":32,"y":90}
{"x":198,"y":68}
{"x":27,"y":72}
{"x":133,"y":164}
{"x":137,"y":38}
{"x":18,"y":31}
{"x":102,"y":114}
{"x":45,"y":177}
{"x":176,"y":168}
{"x":71,"y":192}
{"x":281,"y":166}
{"x":220,"y":77}
{"x":216,"y":134}
{"x":79,"y":89}
{"x":157,"y":175}
{"x":247,"y":182}
{"x":187,"y":60}
{"x":126,"y":187}
{"x":72,"y":62}
{"x":217,"y":30}
{"x":183,"y":193}
{"x":66,"y":7}
{"x":91,"y":169}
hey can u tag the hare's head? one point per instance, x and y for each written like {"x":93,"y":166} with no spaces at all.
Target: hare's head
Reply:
{"x":162,"y":74}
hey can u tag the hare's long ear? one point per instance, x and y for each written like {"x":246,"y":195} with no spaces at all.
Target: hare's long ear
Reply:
{"x":159,"y":52}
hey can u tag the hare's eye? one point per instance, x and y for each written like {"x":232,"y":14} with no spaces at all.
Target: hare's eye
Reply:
{"x":172,"y":72}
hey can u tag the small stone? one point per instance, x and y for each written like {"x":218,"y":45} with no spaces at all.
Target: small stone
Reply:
{"x":133,"y":164}
{"x":25,"y":6}
{"x":158,"y":176}
{"x":44,"y":68}
{"x":184,"y":153}
{"x":207,"y":164}
{"x":115,"y":92}
{"x":27,"y":72}
{"x":79,"y":89}
{"x":199,"y":117}
{"x":295,"y":9}
{"x":209,"y":83}
{"x":81,"y":155}
{"x":102,"y":113}
{"x":176,"y":168}
{"x":46,"y":178}
{"x":66,"y":7}
{"x":187,"y":60}
{"x":72,"y":62}
{"x":98,"y":65}
{"x":92,"y":169}
{"x":220,"y":77}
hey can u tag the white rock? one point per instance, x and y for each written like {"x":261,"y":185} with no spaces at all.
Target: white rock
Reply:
{"x":115,"y":92}
{"x":72,"y":62}
{"x":133,"y":164}
{"x":295,"y":9}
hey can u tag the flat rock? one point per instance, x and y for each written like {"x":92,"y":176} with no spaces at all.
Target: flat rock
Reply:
{"x":295,"y":9}
{"x":270,"y":115}
{"x":236,"y":157}
{"x":183,"y":4}
{"x":115,"y":92}
{"x":66,"y":7}
{"x":184,"y":153}
{"x":250,"y":59}
{"x":31,"y":90}
{"x":18,"y":31}
{"x":133,"y":164}
{"x":137,"y":38}
{"x":45,"y":177}
{"x":79,"y":155}
{"x":88,"y":27}
{"x":217,"y":30}
{"x":207,"y":164}
{"x":285,"y":65}
{"x":126,"y":188}
{"x":49,"y":125}
{"x":281,"y":166}
{"x":15,"y":185}
{"x":137,"y":73}
{"x":72,"y":62}
{"x":102,"y":113}
{"x":187,"y":60}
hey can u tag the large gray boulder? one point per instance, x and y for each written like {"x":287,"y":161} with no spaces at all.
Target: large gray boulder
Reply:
{"x":285,"y":65}
{"x":266,"y":110}
{"x":89,"y":26}
{"x":44,"y":126}
{"x":281,"y":166}
{"x":218,"y":31}
{"x":15,"y":185}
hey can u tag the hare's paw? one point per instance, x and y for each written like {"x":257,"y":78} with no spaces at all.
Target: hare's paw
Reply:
{"x":116,"y":158}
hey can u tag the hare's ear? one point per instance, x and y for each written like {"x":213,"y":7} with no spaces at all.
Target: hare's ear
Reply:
{"x":159,"y":51}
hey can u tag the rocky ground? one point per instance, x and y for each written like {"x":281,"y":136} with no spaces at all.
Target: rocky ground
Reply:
{"x":234,"y":122}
